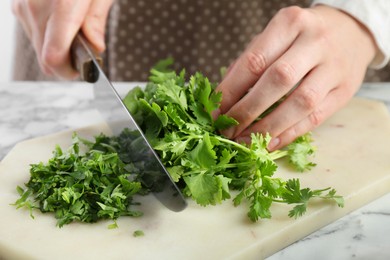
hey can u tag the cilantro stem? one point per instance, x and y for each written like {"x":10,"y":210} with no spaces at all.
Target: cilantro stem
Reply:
{"x":234,"y":143}
{"x":223,"y":140}
{"x":278,"y":154}
{"x":274,"y":155}
{"x":217,"y":168}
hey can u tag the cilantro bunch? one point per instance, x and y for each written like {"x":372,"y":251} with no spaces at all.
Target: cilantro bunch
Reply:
{"x":175,"y":115}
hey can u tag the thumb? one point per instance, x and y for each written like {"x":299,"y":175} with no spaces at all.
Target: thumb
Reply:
{"x":94,"y":25}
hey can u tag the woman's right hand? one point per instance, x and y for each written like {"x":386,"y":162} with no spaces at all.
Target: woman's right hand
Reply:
{"x":52,"y":25}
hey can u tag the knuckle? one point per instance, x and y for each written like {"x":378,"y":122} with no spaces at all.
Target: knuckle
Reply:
{"x":255,"y":62}
{"x":33,"y":8}
{"x":308,"y":99}
{"x":295,"y":15}
{"x":51,"y":58}
{"x":242,"y":114}
{"x":316,"y":118}
{"x":63,"y":4}
{"x":288,"y":136}
{"x":284,"y":74}
{"x":291,"y":134}
{"x":322,"y":36}
{"x":16,"y":8}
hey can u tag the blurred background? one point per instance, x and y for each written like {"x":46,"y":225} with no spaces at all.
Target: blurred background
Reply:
{"x":6,"y":40}
{"x":7,"y":43}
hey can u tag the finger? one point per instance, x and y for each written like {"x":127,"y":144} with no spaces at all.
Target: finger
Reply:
{"x":95,"y":23}
{"x":33,"y":16}
{"x":299,"y":104}
{"x":19,"y":10}
{"x":229,"y":69}
{"x":276,"y":82}
{"x":260,"y":54}
{"x":62,"y":26}
{"x":334,"y":101}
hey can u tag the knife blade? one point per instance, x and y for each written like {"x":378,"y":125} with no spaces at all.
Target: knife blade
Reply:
{"x":118,"y":117}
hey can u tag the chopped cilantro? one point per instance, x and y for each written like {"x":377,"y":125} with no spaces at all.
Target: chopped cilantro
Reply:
{"x":84,"y":187}
{"x":138,"y":233}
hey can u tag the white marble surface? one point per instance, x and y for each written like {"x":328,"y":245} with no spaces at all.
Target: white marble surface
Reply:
{"x":29,"y":110}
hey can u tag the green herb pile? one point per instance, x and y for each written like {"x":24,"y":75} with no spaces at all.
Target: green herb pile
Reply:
{"x":83,"y":186}
{"x":175,"y":115}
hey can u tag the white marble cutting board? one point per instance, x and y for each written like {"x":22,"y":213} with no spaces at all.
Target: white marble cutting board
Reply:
{"x":353,"y":157}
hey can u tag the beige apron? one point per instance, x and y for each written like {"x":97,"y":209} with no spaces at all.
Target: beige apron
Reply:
{"x":201,"y":35}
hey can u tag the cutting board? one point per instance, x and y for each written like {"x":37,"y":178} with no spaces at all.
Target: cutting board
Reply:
{"x":353,"y":157}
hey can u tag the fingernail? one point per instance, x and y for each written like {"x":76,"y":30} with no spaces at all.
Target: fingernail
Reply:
{"x":215,"y":113}
{"x":273,"y":143}
{"x":229,"y":133}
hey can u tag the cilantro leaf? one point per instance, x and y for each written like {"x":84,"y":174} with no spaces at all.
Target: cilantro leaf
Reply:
{"x":224,"y":122}
{"x":207,"y":189}
{"x":173,"y":93}
{"x":138,"y":233}
{"x":203,"y":154}
{"x":203,"y":188}
{"x":298,"y":152}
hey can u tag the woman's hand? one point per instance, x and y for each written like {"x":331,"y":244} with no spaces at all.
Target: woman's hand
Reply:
{"x":322,"y":51}
{"x":52,"y":25}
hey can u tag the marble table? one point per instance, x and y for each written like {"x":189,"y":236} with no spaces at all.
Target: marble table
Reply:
{"x":32,"y":109}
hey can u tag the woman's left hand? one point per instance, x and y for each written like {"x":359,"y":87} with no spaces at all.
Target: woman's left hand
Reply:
{"x":321,"y":51}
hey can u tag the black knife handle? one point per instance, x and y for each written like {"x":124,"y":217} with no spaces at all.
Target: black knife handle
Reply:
{"x":81,"y":55}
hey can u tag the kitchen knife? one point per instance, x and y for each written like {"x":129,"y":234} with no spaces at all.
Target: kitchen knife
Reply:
{"x":118,"y":117}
